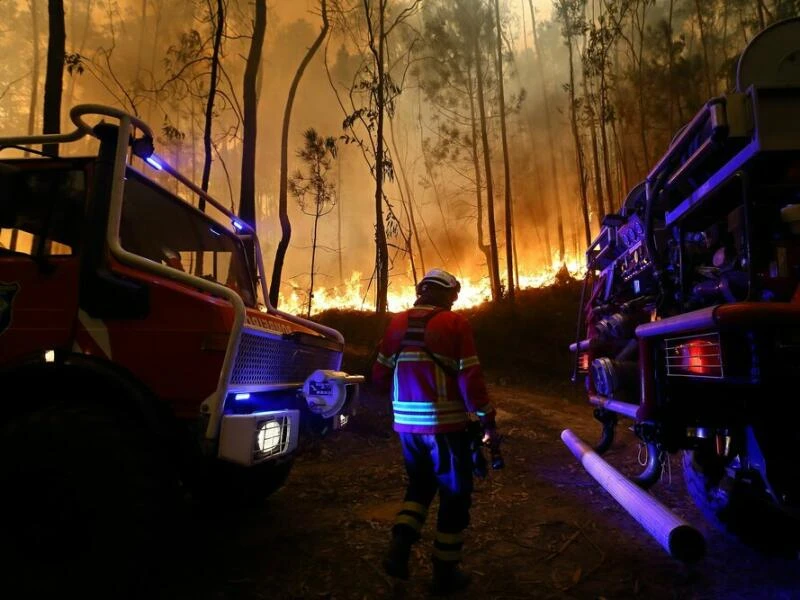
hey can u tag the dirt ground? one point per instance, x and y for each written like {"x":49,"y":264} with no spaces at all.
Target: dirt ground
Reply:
{"x":541,"y":528}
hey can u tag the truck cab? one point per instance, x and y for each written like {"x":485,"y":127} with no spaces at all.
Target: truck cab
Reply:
{"x":130,"y":292}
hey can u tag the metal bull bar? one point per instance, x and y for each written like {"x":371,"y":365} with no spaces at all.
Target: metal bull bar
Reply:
{"x":675,"y":535}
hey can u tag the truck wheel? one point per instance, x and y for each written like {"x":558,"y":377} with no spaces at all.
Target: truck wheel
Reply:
{"x":267,"y":479}
{"x":89,"y":498}
{"x":234,"y":485}
{"x":738,"y":509}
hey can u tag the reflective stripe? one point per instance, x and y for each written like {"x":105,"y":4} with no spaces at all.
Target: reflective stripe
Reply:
{"x":441,"y":386}
{"x":484,"y":410}
{"x":465,"y":363}
{"x":427,"y":407}
{"x":416,"y":507}
{"x":449,"y":538}
{"x":385,"y":361}
{"x":429,"y":421}
{"x":410,"y":521}
{"x":430,"y":418}
{"x":447,"y":555}
{"x":414,"y":357}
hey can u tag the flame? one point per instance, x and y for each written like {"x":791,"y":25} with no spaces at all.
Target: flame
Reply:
{"x":358,"y":292}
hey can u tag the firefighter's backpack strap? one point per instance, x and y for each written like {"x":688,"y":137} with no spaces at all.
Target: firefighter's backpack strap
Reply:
{"x":415,"y":336}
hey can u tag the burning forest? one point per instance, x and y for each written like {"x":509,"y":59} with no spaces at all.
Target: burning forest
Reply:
{"x":488,"y":138}
{"x":242,"y":243}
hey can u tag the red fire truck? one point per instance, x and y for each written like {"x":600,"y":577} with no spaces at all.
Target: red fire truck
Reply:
{"x":137,"y":354}
{"x":690,"y":322}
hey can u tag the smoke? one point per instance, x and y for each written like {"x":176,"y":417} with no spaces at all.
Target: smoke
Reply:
{"x":139,"y":56}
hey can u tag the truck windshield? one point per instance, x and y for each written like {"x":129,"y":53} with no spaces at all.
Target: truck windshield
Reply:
{"x":158,"y":226}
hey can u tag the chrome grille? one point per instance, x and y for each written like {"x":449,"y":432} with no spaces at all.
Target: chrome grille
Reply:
{"x":264,"y":360}
{"x":694,"y":356}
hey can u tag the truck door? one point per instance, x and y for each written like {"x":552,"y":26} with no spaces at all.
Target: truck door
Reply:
{"x":41,"y":217}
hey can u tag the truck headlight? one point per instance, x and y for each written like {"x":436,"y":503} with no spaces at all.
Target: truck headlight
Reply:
{"x":268,"y":436}
{"x":256,"y":437}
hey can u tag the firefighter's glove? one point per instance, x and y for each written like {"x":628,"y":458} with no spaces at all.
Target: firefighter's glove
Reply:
{"x":492,"y":439}
{"x":480,"y":467}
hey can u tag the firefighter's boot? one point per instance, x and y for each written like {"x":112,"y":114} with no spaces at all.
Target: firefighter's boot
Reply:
{"x":396,"y":561}
{"x":448,"y":578}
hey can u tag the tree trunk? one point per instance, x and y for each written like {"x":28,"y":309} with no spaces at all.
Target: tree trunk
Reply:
{"x":555,"y":183}
{"x":506,"y":162}
{"x":283,"y":214}
{"x":494,"y":268}
{"x":381,"y":248}
{"x":339,"y":218}
{"x":487,"y":251}
{"x":603,"y":119}
{"x":760,"y":8}
{"x":598,"y":183}
{"x":247,"y":194}
{"x":591,"y":115}
{"x":643,"y":129}
{"x":704,"y":43}
{"x":212,"y":92}
{"x":54,"y":74}
{"x":209,"y":115}
{"x":670,"y":70}
{"x":408,"y":197}
{"x":77,"y":48}
{"x":142,"y":35}
{"x":313,"y":259}
{"x":577,"y":140}
{"x":622,"y":167}
{"x":34,"y":104}
{"x":436,"y":193}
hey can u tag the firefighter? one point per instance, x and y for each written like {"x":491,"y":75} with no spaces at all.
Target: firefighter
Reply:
{"x":427,"y":358}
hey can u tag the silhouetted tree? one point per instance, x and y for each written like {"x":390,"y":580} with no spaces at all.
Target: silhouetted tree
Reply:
{"x":315,"y":195}
{"x":283,"y":213}
{"x":247,"y":193}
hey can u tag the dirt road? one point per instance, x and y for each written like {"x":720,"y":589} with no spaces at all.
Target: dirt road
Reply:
{"x":541,"y":528}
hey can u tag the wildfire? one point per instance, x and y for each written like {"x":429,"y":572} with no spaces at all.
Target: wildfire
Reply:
{"x":358,"y":292}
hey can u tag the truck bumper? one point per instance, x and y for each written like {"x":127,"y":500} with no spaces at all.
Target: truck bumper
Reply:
{"x":258,"y":437}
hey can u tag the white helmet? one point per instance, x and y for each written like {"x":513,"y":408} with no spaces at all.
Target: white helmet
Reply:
{"x":439,"y":278}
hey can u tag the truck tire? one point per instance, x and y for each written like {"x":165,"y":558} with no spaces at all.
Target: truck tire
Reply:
{"x":232,"y":485}
{"x":89,"y":498}
{"x":267,"y":479}
{"x":739,"y":510}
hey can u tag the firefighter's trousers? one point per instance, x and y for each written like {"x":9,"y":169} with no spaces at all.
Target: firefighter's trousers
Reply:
{"x":437,"y":462}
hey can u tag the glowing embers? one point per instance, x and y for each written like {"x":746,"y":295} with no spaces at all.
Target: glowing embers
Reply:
{"x":271,"y":437}
{"x":694,"y":356}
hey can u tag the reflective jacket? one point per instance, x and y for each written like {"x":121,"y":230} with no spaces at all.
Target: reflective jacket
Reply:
{"x":432,"y":394}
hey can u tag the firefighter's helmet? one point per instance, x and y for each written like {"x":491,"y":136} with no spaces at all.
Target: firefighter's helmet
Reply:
{"x":438,"y":278}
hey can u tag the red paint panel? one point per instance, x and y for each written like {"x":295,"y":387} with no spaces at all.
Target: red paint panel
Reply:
{"x":38,"y":306}
{"x":166,"y":349}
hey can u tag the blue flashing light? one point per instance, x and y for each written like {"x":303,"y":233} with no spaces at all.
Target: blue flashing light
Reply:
{"x":637,"y":286}
{"x":153,"y":162}
{"x":237,"y":225}
{"x":244,"y":396}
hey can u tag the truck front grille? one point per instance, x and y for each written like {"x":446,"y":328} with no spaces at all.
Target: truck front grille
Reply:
{"x":264,"y":360}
